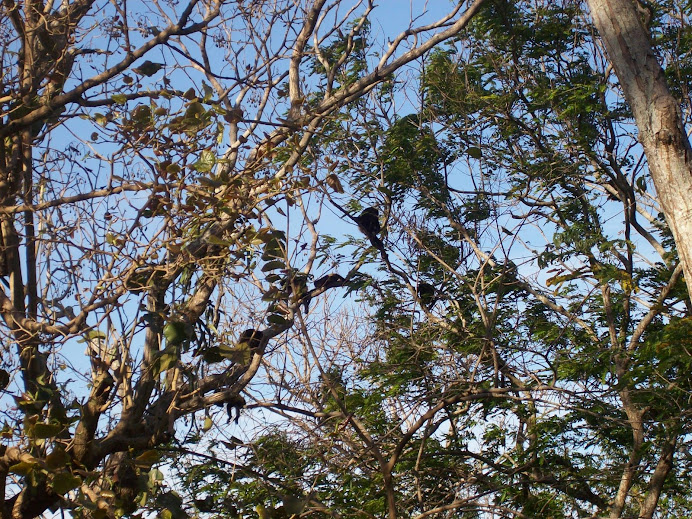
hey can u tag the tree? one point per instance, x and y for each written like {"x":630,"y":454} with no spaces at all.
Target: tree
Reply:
{"x":168,"y":189}
{"x":551,"y":377}
{"x":152,"y":170}
{"x":623,"y":25}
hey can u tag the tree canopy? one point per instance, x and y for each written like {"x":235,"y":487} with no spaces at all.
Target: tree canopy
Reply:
{"x":323,"y":267}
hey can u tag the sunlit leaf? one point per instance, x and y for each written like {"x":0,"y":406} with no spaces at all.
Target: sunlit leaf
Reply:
{"x":22,"y":468}
{"x":46,"y":430}
{"x":148,"y":458}
{"x":206,"y":162}
{"x":64,"y":482}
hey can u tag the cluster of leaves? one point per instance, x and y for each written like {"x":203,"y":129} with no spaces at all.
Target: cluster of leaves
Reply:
{"x":548,"y":360}
{"x":523,"y":347}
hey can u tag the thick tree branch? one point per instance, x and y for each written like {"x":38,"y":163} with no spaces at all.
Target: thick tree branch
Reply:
{"x":657,"y":114}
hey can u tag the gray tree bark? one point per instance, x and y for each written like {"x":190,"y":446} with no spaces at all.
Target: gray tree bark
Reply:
{"x":656,"y":113}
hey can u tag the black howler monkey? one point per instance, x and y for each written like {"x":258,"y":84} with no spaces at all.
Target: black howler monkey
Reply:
{"x":427,"y":294}
{"x":329,"y":281}
{"x":369,"y":221}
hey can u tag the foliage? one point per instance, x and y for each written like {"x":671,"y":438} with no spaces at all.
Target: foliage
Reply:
{"x":549,"y":376}
{"x":158,"y":197}
{"x":513,"y":342}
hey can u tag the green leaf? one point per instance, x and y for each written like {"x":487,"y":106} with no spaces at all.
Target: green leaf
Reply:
{"x":277,"y":319}
{"x":58,"y":459}
{"x":91,"y":335}
{"x":165,"y":362}
{"x":206,"y":162}
{"x":273,"y":265}
{"x":112,"y":239}
{"x":119,"y":99}
{"x":240,"y":354}
{"x":195,"y":111}
{"x":474,"y":153}
{"x":176,"y":332}
{"x":95,"y":334}
{"x":155,"y":476}
{"x":147,"y":458}
{"x":64,"y":482}
{"x":211,"y":355}
{"x":46,"y":430}
{"x":23,"y":468}
{"x":208,"y":92}
{"x":215,"y":240}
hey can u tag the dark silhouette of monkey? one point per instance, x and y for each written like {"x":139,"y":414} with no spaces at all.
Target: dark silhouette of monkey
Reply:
{"x":323,"y":283}
{"x":427,"y":294}
{"x":235,"y":404}
{"x":369,"y":221}
{"x":329,"y":281}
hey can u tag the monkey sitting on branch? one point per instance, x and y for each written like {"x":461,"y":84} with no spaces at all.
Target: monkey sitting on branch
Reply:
{"x":369,"y":223}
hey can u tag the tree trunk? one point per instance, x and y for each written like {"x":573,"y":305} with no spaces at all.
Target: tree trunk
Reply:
{"x":658,"y":478}
{"x":656,"y":113}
